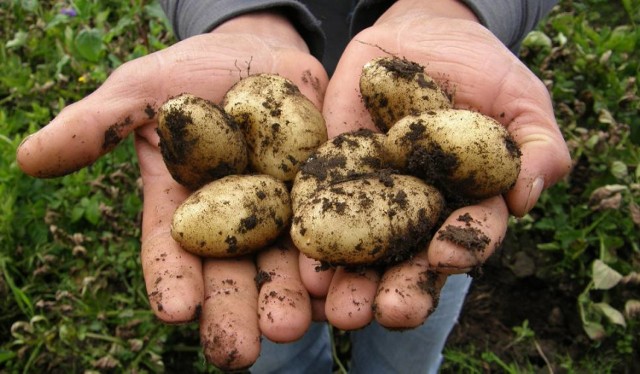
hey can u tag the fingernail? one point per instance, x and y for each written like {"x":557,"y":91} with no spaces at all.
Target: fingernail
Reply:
{"x":534,"y":194}
{"x":24,"y":141}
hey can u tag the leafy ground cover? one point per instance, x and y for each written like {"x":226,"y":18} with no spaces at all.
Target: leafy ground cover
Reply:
{"x":562,"y":294}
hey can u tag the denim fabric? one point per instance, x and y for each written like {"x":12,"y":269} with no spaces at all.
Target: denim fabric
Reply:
{"x":311,"y":354}
{"x":374,"y":348}
{"x":378,"y":350}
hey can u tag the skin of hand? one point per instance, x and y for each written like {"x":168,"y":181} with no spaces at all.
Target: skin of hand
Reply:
{"x":223,"y":294}
{"x":483,"y":75}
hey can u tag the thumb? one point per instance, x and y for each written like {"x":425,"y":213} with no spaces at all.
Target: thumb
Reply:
{"x":86,"y":130}
{"x":545,"y":160}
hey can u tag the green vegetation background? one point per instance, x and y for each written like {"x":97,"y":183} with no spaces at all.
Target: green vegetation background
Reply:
{"x":72,"y":297}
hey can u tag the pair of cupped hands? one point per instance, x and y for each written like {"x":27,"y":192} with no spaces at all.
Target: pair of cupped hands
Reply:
{"x":233,"y":311}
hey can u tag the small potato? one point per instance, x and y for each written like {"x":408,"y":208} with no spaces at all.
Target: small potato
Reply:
{"x":199,"y":142}
{"x":232,"y":216}
{"x":347,"y":156}
{"x":282,"y":126}
{"x":463,"y":152}
{"x":392,"y":88}
{"x":376,"y":219}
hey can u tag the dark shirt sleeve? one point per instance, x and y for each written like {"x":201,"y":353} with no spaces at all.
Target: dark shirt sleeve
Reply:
{"x":190,"y":17}
{"x":510,"y":20}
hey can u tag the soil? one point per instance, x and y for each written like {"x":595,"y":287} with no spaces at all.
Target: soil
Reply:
{"x":507,"y":294}
{"x":115,"y":134}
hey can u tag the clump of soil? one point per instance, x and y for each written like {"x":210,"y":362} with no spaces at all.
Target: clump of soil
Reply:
{"x":401,"y":68}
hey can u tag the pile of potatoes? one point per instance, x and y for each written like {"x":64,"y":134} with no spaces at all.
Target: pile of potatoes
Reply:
{"x":360,"y":198}
{"x":374,"y":198}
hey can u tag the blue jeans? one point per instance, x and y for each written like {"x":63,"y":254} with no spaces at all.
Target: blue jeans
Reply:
{"x":374,"y":349}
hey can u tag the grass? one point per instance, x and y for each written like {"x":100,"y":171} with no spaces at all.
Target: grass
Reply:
{"x":72,"y":297}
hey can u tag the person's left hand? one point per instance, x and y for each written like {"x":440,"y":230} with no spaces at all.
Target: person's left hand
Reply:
{"x":485,"y":76}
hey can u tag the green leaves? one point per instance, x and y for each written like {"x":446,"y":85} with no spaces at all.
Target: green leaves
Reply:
{"x":88,"y":209}
{"x":70,"y":273}
{"x":588,"y":223}
{"x":89,"y":44}
{"x":19,"y":40}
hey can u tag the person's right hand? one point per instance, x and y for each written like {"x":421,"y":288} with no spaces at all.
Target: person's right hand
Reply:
{"x":444,"y":36}
{"x":233,"y":312}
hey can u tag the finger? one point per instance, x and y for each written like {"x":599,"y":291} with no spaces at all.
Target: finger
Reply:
{"x":173,"y":276}
{"x":229,"y":322}
{"x":469,"y":236}
{"x":316,"y":279}
{"x":315,"y":276}
{"x":85,"y":130}
{"x":545,"y":160}
{"x":408,"y":293}
{"x":284,"y":310}
{"x":349,"y":303}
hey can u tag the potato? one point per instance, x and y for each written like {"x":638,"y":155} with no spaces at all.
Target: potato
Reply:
{"x":380,"y":218}
{"x":392,"y":88}
{"x":346,"y":156}
{"x":199,"y":142}
{"x":232,"y":216}
{"x":282,"y":126}
{"x":463,"y":152}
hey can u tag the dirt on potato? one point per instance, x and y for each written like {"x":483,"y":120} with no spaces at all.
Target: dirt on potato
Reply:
{"x":394,"y":87}
{"x":401,"y":68}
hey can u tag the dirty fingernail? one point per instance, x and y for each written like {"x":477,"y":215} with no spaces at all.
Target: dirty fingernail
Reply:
{"x":534,"y":194}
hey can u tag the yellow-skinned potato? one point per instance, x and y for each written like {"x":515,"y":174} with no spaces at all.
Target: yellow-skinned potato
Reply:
{"x":465,"y":152}
{"x":199,"y":142}
{"x":375,"y":219}
{"x":282,"y":126}
{"x":392,"y":88}
{"x":232,"y":216}
{"x":346,"y":156}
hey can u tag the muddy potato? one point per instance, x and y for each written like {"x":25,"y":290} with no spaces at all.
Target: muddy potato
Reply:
{"x":282,"y":126}
{"x":235,"y":215}
{"x":199,"y":142}
{"x":376,"y":219}
{"x":392,"y":88}
{"x":346,"y":156}
{"x":464,"y":152}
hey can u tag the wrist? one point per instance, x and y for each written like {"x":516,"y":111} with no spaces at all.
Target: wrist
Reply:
{"x":272,"y":27}
{"x":432,"y":9}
